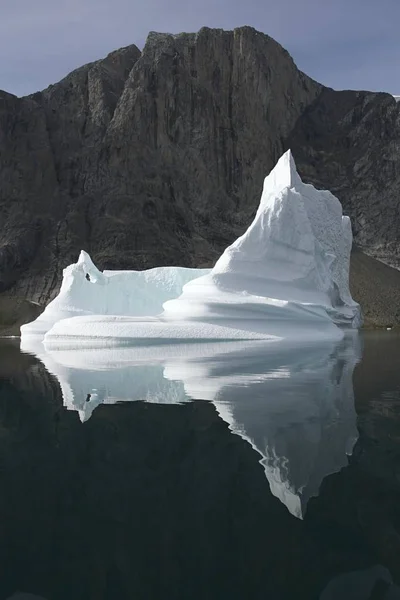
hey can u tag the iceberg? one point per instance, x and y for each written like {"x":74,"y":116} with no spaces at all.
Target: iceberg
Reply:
{"x":287,"y":276}
{"x":292,"y":402}
{"x":290,"y":266}
{"x":87,"y":291}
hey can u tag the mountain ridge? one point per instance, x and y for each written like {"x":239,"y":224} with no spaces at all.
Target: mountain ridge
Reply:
{"x":155,"y":157}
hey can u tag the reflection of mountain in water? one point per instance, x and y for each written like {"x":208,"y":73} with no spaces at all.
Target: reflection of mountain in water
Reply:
{"x":294,"y":405}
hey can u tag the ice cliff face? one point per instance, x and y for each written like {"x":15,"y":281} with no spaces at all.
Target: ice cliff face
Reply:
{"x":87,"y":291}
{"x":292,"y":264}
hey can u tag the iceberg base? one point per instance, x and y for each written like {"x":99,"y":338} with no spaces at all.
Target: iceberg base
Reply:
{"x":100,"y":330}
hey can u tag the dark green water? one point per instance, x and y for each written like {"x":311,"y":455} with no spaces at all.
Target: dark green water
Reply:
{"x":148,"y":500}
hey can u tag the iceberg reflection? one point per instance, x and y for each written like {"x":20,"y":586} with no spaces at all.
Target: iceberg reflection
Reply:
{"x":293,"y":403}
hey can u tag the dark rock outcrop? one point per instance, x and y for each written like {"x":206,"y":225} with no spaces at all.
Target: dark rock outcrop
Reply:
{"x":377,"y":288}
{"x":349,"y":142}
{"x":14,"y":312}
{"x":158,"y":157}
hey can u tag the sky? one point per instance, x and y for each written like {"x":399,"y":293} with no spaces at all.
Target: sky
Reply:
{"x":345,"y":44}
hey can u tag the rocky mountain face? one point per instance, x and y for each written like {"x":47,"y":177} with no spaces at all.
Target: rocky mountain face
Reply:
{"x":349,"y":142}
{"x":158,"y":157}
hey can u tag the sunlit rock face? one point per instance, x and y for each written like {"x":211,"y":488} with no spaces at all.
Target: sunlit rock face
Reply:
{"x":292,"y":402}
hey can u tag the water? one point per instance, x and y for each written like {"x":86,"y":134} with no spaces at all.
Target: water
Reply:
{"x":251,"y":471}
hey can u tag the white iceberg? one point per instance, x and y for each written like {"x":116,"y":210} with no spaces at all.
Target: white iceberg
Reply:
{"x":286,"y":276}
{"x":87,"y":291}
{"x":290,"y":266}
{"x":293,"y":403}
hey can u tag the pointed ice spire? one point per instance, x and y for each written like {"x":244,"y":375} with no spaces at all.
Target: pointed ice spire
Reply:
{"x":90,"y":270}
{"x":284,"y":175}
{"x":84,"y":259}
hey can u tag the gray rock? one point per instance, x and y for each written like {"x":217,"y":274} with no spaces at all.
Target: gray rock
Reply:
{"x":377,"y":288}
{"x":158,"y":157}
{"x":349,"y":142}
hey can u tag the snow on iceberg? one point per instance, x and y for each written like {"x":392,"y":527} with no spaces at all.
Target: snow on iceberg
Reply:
{"x":293,"y":403}
{"x":291,"y":265}
{"x":286,"y":276}
{"x":87,"y":291}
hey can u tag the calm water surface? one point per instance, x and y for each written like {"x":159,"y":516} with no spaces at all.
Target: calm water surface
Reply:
{"x":207,"y":471}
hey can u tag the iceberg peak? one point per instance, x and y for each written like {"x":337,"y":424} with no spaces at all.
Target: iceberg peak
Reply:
{"x":284,"y":175}
{"x":290,"y":266}
{"x":84,"y":258}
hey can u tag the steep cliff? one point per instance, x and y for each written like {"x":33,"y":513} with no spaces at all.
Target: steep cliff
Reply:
{"x":349,"y":142}
{"x":158,"y":157}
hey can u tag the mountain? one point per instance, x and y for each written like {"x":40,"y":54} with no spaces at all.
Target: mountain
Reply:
{"x":158,"y":157}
